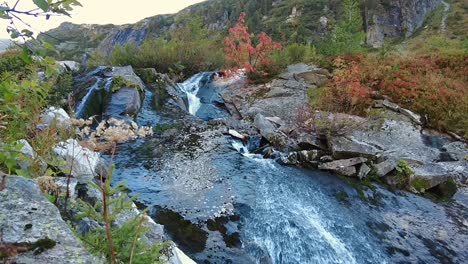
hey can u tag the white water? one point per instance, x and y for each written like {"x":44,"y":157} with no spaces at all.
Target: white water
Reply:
{"x":84,"y":101}
{"x":191,"y":88}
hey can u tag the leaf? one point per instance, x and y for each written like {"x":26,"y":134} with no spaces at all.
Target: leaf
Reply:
{"x":42,"y":4}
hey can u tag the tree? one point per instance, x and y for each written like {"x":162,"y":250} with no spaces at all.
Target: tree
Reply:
{"x":348,"y":35}
{"x":241,"y":51}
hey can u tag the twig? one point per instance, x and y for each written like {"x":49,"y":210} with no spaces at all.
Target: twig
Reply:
{"x":135,"y":239}
{"x":105,"y":212}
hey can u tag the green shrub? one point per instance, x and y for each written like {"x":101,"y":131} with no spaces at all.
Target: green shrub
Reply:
{"x":403,"y":174}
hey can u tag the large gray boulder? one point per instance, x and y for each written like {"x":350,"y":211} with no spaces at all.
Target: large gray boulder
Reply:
{"x":269,"y":131}
{"x":434,"y":174}
{"x":348,"y":147}
{"x":29,"y":220}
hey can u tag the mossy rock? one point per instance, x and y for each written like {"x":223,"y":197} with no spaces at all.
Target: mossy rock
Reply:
{"x":119,"y":82}
{"x":421,"y":185}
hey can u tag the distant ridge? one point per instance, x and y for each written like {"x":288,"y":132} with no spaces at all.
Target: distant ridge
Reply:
{"x":4,"y":44}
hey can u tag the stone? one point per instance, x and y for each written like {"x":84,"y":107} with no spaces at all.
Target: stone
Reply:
{"x":70,"y":66}
{"x":434,"y":174}
{"x":348,"y":147}
{"x":411,"y":115}
{"x":276,"y":120}
{"x":364,"y":170}
{"x":290,"y":159}
{"x":313,"y":78}
{"x":392,"y":106}
{"x":309,"y":141}
{"x":81,"y":161}
{"x":179,"y":257}
{"x":236,"y":134}
{"x":339,"y":164}
{"x":56,"y":116}
{"x":268,"y":131}
{"x":27,"y":217}
{"x":125,"y":102}
{"x":457,"y":151}
{"x":385,"y":167}
{"x":308,"y":155}
{"x":28,"y":152}
{"x":347,"y":171}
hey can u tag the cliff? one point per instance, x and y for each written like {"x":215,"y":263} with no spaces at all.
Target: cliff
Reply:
{"x":286,"y":20}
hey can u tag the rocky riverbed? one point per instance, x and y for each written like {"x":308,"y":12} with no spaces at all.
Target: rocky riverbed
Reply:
{"x":232,"y":176}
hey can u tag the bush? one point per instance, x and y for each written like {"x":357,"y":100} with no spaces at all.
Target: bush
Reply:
{"x":434,"y":87}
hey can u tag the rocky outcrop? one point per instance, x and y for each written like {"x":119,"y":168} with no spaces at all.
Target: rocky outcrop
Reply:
{"x":279,"y":98}
{"x":396,"y":19}
{"x":33,"y":226}
{"x":109,"y":91}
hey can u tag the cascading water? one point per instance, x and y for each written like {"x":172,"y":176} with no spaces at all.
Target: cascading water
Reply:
{"x":191,"y":88}
{"x":80,"y":110}
{"x":279,"y":214}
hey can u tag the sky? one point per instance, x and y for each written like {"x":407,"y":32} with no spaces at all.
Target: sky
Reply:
{"x":101,"y":12}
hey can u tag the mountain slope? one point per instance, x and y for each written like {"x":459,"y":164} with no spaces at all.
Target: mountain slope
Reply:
{"x":301,"y":21}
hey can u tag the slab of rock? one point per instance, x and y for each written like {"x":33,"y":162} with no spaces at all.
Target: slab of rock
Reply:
{"x":236,"y":134}
{"x":268,"y":131}
{"x":385,"y":167}
{"x":309,"y":141}
{"x":28,"y":218}
{"x":348,"y":171}
{"x":81,"y":161}
{"x":339,"y":164}
{"x":313,"y":78}
{"x":344,"y":147}
{"x":434,"y":174}
{"x":364,"y":170}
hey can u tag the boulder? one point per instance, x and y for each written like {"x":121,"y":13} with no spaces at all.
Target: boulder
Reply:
{"x":305,"y":156}
{"x":363,"y":171}
{"x":339,"y":164}
{"x":125,"y":102}
{"x":56,"y":116}
{"x":237,"y":135}
{"x":268,"y":131}
{"x":348,"y":147}
{"x":434,"y":174}
{"x":290,"y":159}
{"x":81,"y":161}
{"x":70,"y":66}
{"x":29,"y":220}
{"x":385,"y":167}
{"x":309,"y":141}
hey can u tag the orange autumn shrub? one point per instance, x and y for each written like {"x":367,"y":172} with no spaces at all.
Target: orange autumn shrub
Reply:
{"x":434,"y":87}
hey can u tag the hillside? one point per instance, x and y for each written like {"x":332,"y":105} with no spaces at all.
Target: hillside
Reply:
{"x":4,"y":44}
{"x":286,"y":20}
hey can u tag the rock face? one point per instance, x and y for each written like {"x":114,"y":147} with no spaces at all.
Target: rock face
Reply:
{"x":280,"y":98}
{"x":397,"y":19}
{"x":98,"y":95}
{"x":28,"y":219}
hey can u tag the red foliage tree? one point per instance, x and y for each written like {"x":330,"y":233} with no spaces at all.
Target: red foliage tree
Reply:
{"x":241,"y":51}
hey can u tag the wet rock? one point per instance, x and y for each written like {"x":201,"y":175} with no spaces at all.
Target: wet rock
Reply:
{"x":339,"y":164}
{"x":28,"y":218}
{"x":125,"y":102}
{"x":269,"y":132}
{"x":81,"y":161}
{"x":326,"y":158}
{"x":343,"y":147}
{"x":364,"y":170}
{"x":385,"y":167}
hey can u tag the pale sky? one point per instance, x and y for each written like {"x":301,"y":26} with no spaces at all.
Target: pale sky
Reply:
{"x":101,"y":12}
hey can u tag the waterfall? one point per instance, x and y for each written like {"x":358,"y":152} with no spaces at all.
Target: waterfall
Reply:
{"x":82,"y":106}
{"x":191,"y":87}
